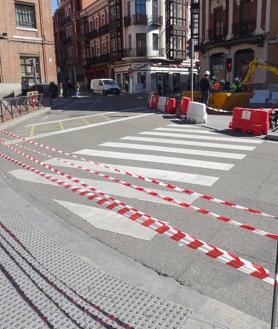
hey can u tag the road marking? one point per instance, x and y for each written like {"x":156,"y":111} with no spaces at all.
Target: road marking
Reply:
{"x":61,"y":125}
{"x":218,"y":138}
{"x":175,"y":150}
{"x":85,"y":121}
{"x":184,"y":126}
{"x":59,"y":132}
{"x":69,"y":119}
{"x":106,"y":118}
{"x":191,"y":143}
{"x":181,"y":130}
{"x":113,"y":188}
{"x":155,"y":173}
{"x":158,"y":159}
{"x":32,"y":131}
{"x":109,"y":221}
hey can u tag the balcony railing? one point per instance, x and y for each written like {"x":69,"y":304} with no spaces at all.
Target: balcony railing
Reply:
{"x":127,"y":21}
{"x":96,"y":33}
{"x":156,"y":20}
{"x":135,"y":52}
{"x":99,"y":59}
{"x":244,"y":28}
{"x":140,"y":19}
{"x":216,"y":36}
{"x":67,"y":40}
{"x":144,"y":52}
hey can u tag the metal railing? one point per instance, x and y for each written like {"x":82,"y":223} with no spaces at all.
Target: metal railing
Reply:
{"x":11,"y":108}
{"x":244,"y":28}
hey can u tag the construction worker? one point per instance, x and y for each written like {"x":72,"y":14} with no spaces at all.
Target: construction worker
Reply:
{"x":236,"y":86}
{"x":205,"y":87}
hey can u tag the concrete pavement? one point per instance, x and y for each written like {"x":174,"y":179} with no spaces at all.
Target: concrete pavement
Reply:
{"x":58,"y":277}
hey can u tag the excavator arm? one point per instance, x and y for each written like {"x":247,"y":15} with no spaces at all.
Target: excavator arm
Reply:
{"x":253,"y":65}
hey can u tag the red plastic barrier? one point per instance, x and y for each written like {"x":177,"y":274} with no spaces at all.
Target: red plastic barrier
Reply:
{"x":184,"y":105}
{"x":154,"y":102}
{"x":247,"y":120}
{"x":170,"y":107}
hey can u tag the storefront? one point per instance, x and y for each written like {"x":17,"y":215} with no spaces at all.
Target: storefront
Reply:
{"x":143,"y":77}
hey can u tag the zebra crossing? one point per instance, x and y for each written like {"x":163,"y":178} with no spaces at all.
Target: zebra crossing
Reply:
{"x":184,"y":156}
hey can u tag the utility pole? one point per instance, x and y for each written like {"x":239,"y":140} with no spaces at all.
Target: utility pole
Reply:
{"x":192,"y":52}
{"x":274,"y":302}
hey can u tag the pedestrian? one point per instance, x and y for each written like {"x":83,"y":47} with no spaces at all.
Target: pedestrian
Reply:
{"x":236,"y":86}
{"x":60,"y":89}
{"x":77,"y":89}
{"x":205,"y":87}
{"x":126,"y":86}
{"x":159,"y":87}
{"x":24,"y":87}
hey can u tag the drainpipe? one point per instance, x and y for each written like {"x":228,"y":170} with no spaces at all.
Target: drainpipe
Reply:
{"x":43,"y":41}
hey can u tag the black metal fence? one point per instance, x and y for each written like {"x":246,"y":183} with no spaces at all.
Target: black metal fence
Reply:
{"x":11,"y":108}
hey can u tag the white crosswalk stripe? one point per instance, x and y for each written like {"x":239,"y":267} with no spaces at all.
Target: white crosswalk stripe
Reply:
{"x":181,"y":130}
{"x":189,"y":143}
{"x":158,"y":159}
{"x":109,"y":187}
{"x":193,"y":136}
{"x":155,"y":173}
{"x":175,"y":150}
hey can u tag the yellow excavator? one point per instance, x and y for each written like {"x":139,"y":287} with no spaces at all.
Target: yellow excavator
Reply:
{"x":253,"y":65}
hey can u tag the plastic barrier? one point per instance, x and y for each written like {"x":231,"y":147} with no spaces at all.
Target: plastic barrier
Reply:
{"x":170,"y":107}
{"x":255,"y":121}
{"x":162,"y":103}
{"x":197,"y":112}
{"x":154,"y":102}
{"x":184,"y":105}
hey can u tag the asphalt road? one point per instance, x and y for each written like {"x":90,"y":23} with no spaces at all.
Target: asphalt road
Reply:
{"x":121,"y":132}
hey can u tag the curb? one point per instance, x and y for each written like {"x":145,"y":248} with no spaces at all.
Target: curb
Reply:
{"x":25,"y":117}
{"x":272,"y":137}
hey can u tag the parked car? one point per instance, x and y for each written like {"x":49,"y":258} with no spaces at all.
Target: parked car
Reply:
{"x":105,"y":87}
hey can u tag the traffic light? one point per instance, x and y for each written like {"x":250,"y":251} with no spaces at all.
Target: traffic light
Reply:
{"x":229,"y":64}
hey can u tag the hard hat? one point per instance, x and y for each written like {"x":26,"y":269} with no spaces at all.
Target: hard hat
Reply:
{"x":214,"y":77}
{"x":236,"y":79}
{"x":207,"y":73}
{"x":223,"y":81}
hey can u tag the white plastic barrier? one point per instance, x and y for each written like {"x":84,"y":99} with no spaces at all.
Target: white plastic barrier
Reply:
{"x":197,"y":112}
{"x":162,"y":104}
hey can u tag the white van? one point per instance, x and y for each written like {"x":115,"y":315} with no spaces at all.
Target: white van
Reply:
{"x":104,"y":87}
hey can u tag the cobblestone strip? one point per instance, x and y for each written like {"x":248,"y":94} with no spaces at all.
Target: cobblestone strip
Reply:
{"x":25,"y":248}
{"x":146,"y":179}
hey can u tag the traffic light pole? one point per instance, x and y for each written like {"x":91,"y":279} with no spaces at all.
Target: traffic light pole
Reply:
{"x":192,"y":53}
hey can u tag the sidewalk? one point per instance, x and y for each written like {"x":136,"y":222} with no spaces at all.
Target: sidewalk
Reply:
{"x":58,"y":277}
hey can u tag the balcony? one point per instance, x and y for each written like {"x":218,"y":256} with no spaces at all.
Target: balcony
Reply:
{"x":140,"y":19}
{"x":98,"y":59}
{"x":144,"y":52}
{"x":244,"y":29}
{"x":156,"y":20}
{"x":216,"y":36}
{"x":127,"y":21}
{"x":97,"y":33}
{"x":67,"y":41}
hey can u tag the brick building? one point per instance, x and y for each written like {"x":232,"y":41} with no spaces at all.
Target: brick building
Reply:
{"x":26,"y":42}
{"x":139,"y":41}
{"x":67,"y":40}
{"x":238,"y":31}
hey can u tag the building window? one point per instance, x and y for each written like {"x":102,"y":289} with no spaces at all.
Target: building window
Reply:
{"x":129,"y":41}
{"x":218,"y":67}
{"x":218,"y":24}
{"x":30,"y":69}
{"x":155,"y":41}
{"x":140,"y":7}
{"x":242,"y":60}
{"x":25,"y":15}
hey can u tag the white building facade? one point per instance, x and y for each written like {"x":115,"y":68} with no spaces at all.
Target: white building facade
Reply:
{"x":154,"y":42}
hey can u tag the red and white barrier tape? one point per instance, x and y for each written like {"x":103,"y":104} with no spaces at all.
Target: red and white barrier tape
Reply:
{"x":182,"y":238}
{"x":146,"y":179}
{"x":202,"y":211}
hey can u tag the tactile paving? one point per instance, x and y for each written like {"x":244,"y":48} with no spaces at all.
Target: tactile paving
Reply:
{"x":52,"y":288}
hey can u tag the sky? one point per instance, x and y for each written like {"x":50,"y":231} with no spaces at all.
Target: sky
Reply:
{"x":54,"y":5}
